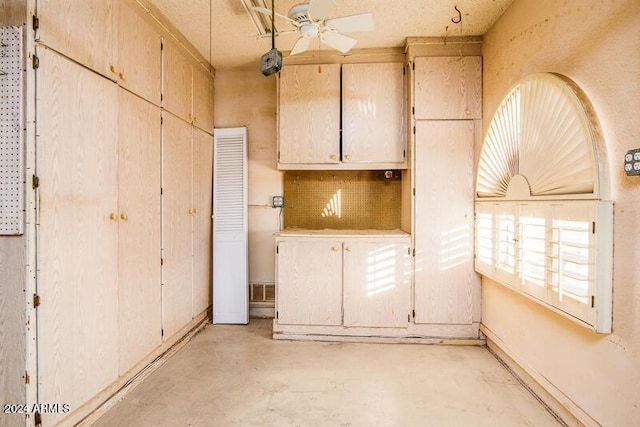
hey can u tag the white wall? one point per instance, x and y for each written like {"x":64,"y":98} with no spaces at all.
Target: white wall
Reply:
{"x":247,"y":98}
{"x":597,"y":44}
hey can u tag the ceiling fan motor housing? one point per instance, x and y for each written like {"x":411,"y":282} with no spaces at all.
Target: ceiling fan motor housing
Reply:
{"x":299,"y":13}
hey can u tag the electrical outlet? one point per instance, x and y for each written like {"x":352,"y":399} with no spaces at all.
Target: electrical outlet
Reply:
{"x":278,"y":202}
{"x":632,"y":162}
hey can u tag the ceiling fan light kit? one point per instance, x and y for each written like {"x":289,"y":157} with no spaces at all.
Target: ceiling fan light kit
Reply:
{"x":311,"y":21}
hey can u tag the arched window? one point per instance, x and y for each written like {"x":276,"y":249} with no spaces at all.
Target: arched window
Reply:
{"x":543,"y":219}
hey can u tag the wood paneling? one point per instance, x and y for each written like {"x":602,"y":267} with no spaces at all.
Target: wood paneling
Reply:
{"x":202,"y":194}
{"x":85,"y":30}
{"x":77,"y":239}
{"x":309,"y":114}
{"x":203,"y":100}
{"x":444,"y":273}
{"x":176,"y":224}
{"x":12,"y":326}
{"x":373,"y":113}
{"x":139,"y":305}
{"x":377,"y":283}
{"x":177,"y":82}
{"x":138,"y":55}
{"x":309,"y":282}
{"x":448,"y":87}
{"x":12,"y":13}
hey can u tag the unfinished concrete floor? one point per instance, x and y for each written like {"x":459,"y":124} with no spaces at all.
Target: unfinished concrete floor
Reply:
{"x":239,"y":376}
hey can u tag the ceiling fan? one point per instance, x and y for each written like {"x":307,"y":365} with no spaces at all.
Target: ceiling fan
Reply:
{"x":311,"y":21}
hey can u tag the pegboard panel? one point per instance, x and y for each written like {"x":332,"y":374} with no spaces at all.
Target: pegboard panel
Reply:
{"x":11,"y":146}
{"x":342,"y":200}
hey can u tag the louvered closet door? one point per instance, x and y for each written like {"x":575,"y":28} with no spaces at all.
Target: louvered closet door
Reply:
{"x":230,"y":285}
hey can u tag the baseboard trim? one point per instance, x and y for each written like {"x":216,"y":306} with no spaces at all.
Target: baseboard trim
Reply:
{"x":96,"y":407}
{"x":559,"y":404}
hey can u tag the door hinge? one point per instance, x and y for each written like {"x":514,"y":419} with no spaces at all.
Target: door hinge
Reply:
{"x":37,"y":419}
{"x":414,"y":191}
{"x":404,"y":154}
{"x":414,"y":130}
{"x":276,"y":314}
{"x":35,"y":61}
{"x":161,"y":97}
{"x":408,"y":251}
{"x":36,"y":300}
{"x":161,"y":261}
{"x":404,"y":70}
{"x":593,"y":301}
{"x":413,"y":312}
{"x":162,"y":332}
{"x":413,"y":110}
{"x":408,"y":318}
{"x":593,"y":227}
{"x":278,"y":156}
{"x":35,"y":22}
{"x":414,"y":252}
{"x":413,"y":65}
{"x":277,"y":249}
{"x":161,"y":46}
{"x":35,"y":182}
{"x":161,"y":191}
{"x":161,"y":118}
{"x":26,"y":377}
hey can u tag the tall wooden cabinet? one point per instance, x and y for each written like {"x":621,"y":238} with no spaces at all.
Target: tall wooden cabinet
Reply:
{"x":103,"y":157}
{"x":447,"y":100}
{"x":78,"y":231}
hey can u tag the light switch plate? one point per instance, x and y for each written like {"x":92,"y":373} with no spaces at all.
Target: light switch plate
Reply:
{"x":278,"y":202}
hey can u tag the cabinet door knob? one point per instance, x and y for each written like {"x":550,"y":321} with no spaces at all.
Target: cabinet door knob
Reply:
{"x":347,"y":156}
{"x":123,"y":77}
{"x":348,"y":249}
{"x":468,"y":112}
{"x":114,"y":69}
{"x":334,"y":248}
{"x":124,"y":216}
{"x":333,"y":157}
{"x":195,"y":211}
{"x":190,"y":211}
{"x":113,"y":217}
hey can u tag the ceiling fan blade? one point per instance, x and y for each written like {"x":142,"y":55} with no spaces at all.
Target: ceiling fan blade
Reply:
{"x":351,"y":24}
{"x":300,"y":45}
{"x":319,"y":9}
{"x":268,"y":12}
{"x":338,"y":41}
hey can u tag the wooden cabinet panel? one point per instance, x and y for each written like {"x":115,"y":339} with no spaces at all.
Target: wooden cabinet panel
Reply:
{"x":202,"y":186}
{"x":176,"y":224}
{"x":444,"y":274}
{"x":203,"y":100}
{"x":373,"y":113}
{"x":85,"y":30}
{"x":448,"y":87}
{"x":138,"y":55}
{"x":309,"y":282}
{"x":139,"y":291}
{"x":177,"y":82}
{"x":377,"y":283}
{"x":77,"y":239}
{"x":309,"y":114}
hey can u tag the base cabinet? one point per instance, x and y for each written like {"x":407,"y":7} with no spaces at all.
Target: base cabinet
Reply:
{"x":344,"y":282}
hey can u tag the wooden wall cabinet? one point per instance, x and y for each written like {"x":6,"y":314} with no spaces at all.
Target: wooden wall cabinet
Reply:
{"x":108,"y":36}
{"x":187,"y":90}
{"x":448,"y":88}
{"x":343,"y":282}
{"x":309,"y":117}
{"x":373,"y":114}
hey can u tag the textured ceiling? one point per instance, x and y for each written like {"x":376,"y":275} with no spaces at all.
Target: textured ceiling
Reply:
{"x":222,"y":30}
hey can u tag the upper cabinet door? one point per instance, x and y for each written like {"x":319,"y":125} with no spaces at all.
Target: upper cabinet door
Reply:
{"x":309,"y":114}
{"x":448,"y":87}
{"x":203,"y":100}
{"x":373,"y":113}
{"x":177,"y":82}
{"x":84,"y":30}
{"x":138,"y":65}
